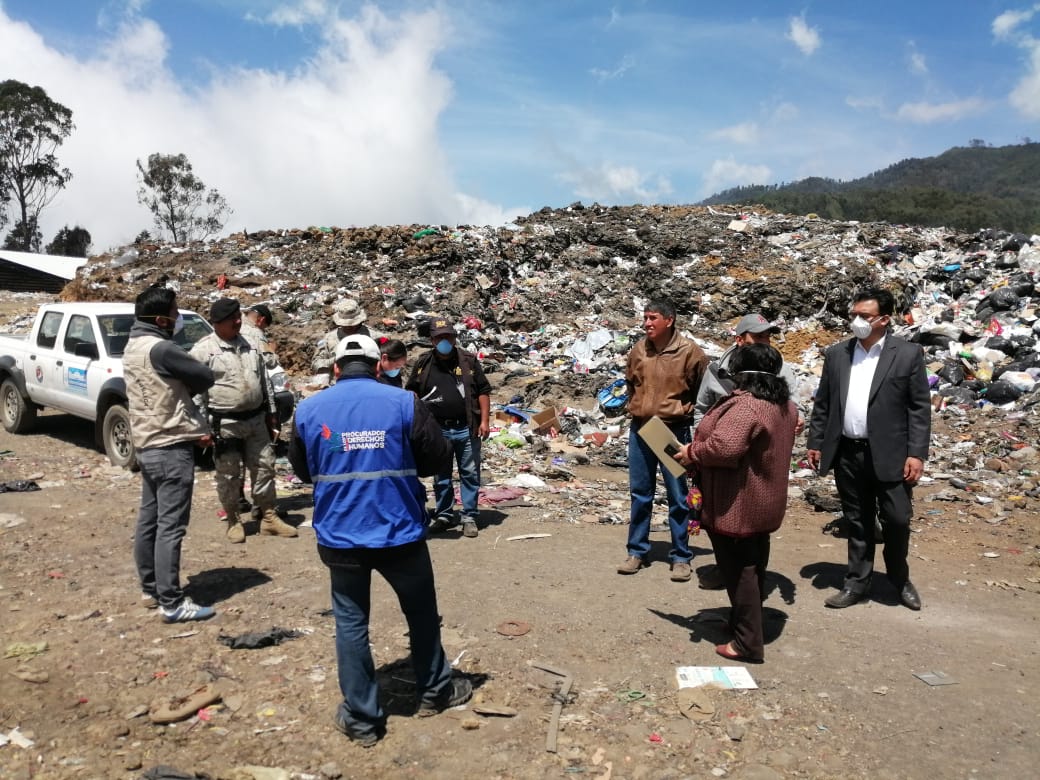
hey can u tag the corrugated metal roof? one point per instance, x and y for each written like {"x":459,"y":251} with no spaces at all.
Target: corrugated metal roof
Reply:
{"x":55,"y":265}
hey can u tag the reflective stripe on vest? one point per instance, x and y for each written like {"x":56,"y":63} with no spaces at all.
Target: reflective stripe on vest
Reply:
{"x":365,"y":475}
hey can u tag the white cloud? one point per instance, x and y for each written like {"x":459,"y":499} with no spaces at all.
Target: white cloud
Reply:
{"x":917,"y":61}
{"x":627,"y":62}
{"x":727,"y":173}
{"x":785,"y":112}
{"x":295,"y":14}
{"x":806,"y":38}
{"x":927,"y":113}
{"x":609,"y":183}
{"x":349,"y":137}
{"x":743,"y":133}
{"x":1004,"y":25}
{"x":1026,"y":94}
{"x":865,"y":103}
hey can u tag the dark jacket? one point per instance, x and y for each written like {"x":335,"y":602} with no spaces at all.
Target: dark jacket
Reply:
{"x":474,"y":383}
{"x":899,"y":410}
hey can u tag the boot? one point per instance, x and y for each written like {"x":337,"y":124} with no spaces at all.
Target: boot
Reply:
{"x":272,"y":525}
{"x":236,"y":533}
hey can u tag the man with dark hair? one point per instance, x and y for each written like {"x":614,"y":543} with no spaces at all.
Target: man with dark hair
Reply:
{"x":871,"y":421}
{"x":241,"y":406}
{"x":451,"y":382}
{"x":663,"y":374}
{"x":166,"y":425}
{"x":255,"y":322}
{"x":365,"y":445}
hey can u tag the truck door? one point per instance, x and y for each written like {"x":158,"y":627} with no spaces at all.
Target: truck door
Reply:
{"x":79,"y":369}
{"x":41,"y":366}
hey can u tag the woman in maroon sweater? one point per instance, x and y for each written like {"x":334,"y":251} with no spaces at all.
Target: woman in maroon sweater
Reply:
{"x":742,"y":451}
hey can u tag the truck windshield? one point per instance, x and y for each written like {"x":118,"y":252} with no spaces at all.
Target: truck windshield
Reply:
{"x":115,"y":330}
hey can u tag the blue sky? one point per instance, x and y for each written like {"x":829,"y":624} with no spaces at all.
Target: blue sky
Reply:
{"x":315,"y":112}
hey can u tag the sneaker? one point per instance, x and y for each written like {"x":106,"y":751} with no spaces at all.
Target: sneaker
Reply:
{"x":469,"y":529}
{"x":148,"y":601}
{"x":366,"y":738}
{"x":681,"y":571}
{"x":631,"y":565}
{"x":459,"y":691}
{"x":187,"y":610}
{"x":441,"y":524}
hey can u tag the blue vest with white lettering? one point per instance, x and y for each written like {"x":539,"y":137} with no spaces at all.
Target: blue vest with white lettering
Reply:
{"x":366,"y":490}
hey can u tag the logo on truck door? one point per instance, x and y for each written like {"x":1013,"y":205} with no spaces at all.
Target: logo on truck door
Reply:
{"x":39,"y":373}
{"x":76,"y":378}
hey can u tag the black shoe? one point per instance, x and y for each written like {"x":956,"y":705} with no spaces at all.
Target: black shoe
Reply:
{"x":711,"y":579}
{"x":908,"y":595}
{"x":367,"y":738}
{"x":844,"y":598}
{"x":441,"y":524}
{"x":459,"y":691}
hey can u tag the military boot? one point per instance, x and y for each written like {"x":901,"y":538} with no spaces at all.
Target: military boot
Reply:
{"x":236,"y":533}
{"x":272,"y":525}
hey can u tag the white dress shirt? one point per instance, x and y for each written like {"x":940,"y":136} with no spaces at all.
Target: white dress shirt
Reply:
{"x":864,"y":363}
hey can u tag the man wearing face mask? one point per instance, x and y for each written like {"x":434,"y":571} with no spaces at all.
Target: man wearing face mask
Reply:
{"x":393,"y":356}
{"x":871,"y":422}
{"x":166,"y":425}
{"x":452,"y":384}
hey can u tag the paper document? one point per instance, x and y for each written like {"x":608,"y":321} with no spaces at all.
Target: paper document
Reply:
{"x":664,"y":444}
{"x":718,"y":676}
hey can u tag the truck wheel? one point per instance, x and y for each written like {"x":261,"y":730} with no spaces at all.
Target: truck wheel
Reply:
{"x":18,"y":414}
{"x":115,"y":435}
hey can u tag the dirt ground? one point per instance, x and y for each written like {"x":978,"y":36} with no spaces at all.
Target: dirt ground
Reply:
{"x":837,"y":696}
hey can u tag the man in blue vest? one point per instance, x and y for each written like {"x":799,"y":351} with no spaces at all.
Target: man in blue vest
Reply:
{"x":364,"y":445}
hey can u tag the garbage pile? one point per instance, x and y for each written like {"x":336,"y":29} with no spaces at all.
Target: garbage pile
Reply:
{"x":553,"y":303}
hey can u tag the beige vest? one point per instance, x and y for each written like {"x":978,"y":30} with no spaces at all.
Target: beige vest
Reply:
{"x":239,"y":372}
{"x":161,"y":410}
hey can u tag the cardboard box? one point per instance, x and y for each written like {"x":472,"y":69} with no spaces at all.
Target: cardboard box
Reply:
{"x":663,"y":442}
{"x":545,"y":420}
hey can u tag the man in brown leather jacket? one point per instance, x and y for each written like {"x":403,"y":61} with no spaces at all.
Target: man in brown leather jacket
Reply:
{"x":664,"y":373}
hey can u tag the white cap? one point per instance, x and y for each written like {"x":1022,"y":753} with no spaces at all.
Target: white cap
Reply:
{"x":357,"y":346}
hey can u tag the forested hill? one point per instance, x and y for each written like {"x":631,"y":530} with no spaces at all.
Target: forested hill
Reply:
{"x":965,"y":187}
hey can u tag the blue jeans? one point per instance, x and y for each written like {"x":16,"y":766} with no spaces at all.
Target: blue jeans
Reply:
{"x":408,"y":570}
{"x":643,"y":466}
{"x":466,"y":447}
{"x":167,"y":482}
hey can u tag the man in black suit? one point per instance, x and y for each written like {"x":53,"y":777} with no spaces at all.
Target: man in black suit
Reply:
{"x":871,"y":421}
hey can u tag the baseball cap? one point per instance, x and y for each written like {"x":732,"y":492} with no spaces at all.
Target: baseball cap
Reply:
{"x":264,"y":311}
{"x":442,"y":326}
{"x":357,"y":346}
{"x":755,"y":323}
{"x":348,"y":312}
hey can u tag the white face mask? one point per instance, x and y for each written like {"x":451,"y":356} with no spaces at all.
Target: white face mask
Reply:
{"x":860,"y":328}
{"x":178,"y":324}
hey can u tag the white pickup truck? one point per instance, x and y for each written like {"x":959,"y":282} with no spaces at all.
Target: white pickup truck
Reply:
{"x":72,"y":360}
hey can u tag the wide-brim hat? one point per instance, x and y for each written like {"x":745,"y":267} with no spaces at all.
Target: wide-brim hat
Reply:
{"x":348,"y":312}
